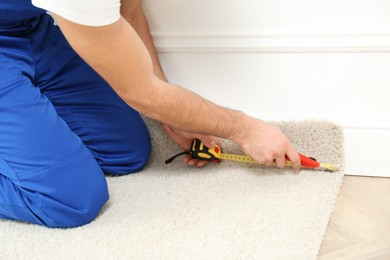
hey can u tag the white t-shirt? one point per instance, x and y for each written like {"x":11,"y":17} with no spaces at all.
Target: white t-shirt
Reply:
{"x":85,"y":12}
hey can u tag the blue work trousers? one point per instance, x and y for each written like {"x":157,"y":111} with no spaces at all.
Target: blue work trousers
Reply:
{"x":61,"y":128}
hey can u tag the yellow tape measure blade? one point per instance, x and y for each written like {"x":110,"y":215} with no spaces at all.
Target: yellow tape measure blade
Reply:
{"x":237,"y":158}
{"x":244,"y":159}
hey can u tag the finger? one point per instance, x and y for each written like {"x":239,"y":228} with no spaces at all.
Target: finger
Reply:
{"x":210,"y":141}
{"x":268,"y":162}
{"x":280,"y":162}
{"x":201,"y":163}
{"x":217,"y":141}
{"x":189,"y":160}
{"x":192,"y":162}
{"x":294,"y":158}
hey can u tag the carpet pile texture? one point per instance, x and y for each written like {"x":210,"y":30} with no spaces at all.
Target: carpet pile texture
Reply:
{"x":223,"y":211}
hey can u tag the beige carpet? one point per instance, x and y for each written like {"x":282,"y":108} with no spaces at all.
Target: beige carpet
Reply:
{"x":225,"y":211}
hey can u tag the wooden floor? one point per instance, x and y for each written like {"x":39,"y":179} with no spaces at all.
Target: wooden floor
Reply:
{"x":360,"y":225}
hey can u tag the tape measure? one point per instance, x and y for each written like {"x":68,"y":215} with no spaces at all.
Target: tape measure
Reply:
{"x":199,"y":151}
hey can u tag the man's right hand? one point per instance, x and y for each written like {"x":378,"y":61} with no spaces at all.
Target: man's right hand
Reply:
{"x":266,"y":144}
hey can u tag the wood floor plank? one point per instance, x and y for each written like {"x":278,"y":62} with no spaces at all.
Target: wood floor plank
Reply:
{"x":360,"y":225}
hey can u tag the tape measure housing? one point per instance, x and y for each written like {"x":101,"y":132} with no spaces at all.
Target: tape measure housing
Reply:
{"x":200,"y":151}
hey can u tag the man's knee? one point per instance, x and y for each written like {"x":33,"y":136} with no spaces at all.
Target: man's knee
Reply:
{"x":68,"y":194}
{"x":85,"y":207}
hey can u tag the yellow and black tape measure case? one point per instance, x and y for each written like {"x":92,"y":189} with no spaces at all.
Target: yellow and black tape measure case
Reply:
{"x":200,"y":151}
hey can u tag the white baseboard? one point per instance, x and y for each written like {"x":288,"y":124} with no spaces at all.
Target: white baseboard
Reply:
{"x":252,"y":43}
{"x":367,"y":152}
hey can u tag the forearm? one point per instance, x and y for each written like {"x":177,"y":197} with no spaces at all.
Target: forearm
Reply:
{"x":117,"y":53}
{"x":132,"y":12}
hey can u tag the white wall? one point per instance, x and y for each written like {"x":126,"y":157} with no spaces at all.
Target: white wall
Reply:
{"x":270,"y":16}
{"x":287,"y":60}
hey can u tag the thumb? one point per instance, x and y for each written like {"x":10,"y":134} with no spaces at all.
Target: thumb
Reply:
{"x":210,"y":141}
